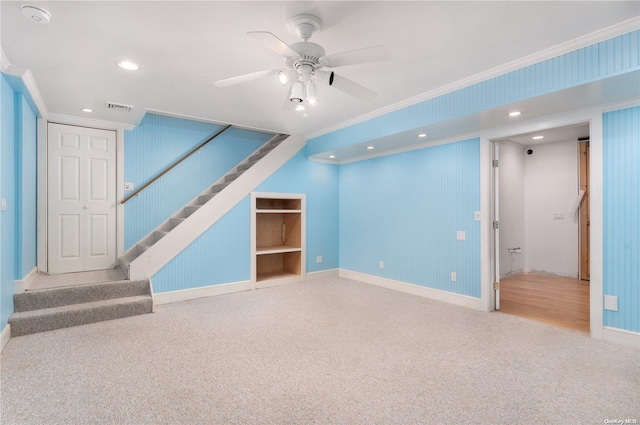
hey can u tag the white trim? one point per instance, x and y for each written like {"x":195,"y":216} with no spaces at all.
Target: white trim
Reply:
{"x":621,"y":336}
{"x":5,"y":337}
{"x":270,"y":283}
{"x":532,"y":59}
{"x":87,"y":122}
{"x":205,"y":291}
{"x":29,"y":83}
{"x":4,"y":62}
{"x":205,"y":120}
{"x":486,"y":230}
{"x":21,"y":285}
{"x":323,"y":274}
{"x":409,"y":288}
{"x":119,"y":192}
{"x":163,"y":251}
{"x":596,"y":220}
{"x":41,"y":189}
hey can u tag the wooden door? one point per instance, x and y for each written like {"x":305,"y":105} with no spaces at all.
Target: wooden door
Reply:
{"x":584,"y":210}
{"x":81,"y":199}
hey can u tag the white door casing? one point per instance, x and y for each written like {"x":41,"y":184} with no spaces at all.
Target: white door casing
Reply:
{"x":81,"y":199}
{"x":496,"y":224}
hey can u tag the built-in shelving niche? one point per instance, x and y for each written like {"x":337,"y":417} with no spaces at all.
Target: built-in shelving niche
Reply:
{"x":278,"y":232}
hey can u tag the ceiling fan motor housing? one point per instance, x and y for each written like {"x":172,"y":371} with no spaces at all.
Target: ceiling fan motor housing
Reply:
{"x":304,"y":26}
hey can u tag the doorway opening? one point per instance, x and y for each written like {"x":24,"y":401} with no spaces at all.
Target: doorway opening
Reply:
{"x":541,"y":236}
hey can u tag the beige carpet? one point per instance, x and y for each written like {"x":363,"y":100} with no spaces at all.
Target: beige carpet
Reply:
{"x":326,"y":352}
{"x":49,"y":281}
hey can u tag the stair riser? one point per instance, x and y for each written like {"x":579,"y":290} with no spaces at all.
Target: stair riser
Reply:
{"x":26,"y":326}
{"x":37,"y":300}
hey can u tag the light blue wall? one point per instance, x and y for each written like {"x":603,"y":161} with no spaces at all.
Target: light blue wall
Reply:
{"x":606,"y":59}
{"x":223,"y":253}
{"x":156,"y":144}
{"x":18,"y":173}
{"x":7,"y":189}
{"x":405,"y":210}
{"x":26,"y":189}
{"x":621,"y":216}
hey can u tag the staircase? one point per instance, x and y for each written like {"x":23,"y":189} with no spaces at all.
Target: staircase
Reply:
{"x":172,"y":223}
{"x":49,"y":309}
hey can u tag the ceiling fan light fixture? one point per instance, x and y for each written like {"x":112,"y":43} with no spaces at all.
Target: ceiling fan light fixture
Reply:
{"x":324,"y":77}
{"x":312,"y":93}
{"x":283,"y":79}
{"x":296,"y":92}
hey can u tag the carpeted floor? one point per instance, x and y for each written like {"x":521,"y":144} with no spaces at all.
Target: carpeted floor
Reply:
{"x":324,"y":352}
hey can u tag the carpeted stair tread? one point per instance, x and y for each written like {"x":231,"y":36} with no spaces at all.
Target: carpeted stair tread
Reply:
{"x":29,"y":322}
{"x":48,"y":298}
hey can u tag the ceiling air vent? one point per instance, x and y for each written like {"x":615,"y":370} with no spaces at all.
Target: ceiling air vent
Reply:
{"x":119,"y":106}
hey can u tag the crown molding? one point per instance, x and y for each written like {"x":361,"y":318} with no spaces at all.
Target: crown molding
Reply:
{"x":4,"y":62}
{"x":88,"y":122}
{"x":595,"y":37}
{"x":25,"y":75}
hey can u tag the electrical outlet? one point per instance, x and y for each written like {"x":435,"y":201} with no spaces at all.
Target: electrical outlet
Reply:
{"x":454,"y":277}
{"x":611,"y":302}
{"x":382,"y":264}
{"x":461,"y":235}
{"x":319,"y":259}
{"x":4,"y":204}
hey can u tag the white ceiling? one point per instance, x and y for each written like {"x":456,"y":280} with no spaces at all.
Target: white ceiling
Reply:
{"x":183,"y":47}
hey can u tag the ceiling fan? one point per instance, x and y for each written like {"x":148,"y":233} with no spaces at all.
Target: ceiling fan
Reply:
{"x":306,"y":64}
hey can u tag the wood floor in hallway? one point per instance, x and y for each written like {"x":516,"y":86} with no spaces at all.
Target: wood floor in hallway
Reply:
{"x":556,"y":300}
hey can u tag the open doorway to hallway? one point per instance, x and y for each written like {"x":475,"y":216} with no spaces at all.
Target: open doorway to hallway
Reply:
{"x":542,"y":205}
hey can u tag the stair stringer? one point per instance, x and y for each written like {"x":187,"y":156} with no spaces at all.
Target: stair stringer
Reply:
{"x":166,"y":249}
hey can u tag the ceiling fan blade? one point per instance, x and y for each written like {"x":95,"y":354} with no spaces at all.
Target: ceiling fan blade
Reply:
{"x":245,"y":78}
{"x":355,"y":57}
{"x":274,"y":43}
{"x":353,"y":89}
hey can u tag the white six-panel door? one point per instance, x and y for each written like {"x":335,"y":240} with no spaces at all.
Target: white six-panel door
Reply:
{"x":81,"y":199}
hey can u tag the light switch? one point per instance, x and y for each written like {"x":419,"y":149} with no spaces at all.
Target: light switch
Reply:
{"x":477,"y":216}
{"x":128,"y":186}
{"x":461,"y":235}
{"x":319,"y":259}
{"x":382,"y":264}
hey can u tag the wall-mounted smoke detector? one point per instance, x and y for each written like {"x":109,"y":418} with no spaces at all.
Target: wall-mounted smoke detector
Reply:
{"x":119,"y":106}
{"x":36,"y":14}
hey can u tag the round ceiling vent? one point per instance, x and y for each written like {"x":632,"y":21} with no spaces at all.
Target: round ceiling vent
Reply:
{"x":36,"y":14}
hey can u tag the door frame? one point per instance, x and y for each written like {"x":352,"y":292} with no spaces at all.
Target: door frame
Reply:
{"x":594,"y":118}
{"x":42,"y":185}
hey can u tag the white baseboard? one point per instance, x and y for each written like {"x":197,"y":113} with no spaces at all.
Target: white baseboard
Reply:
{"x":5,"y":336}
{"x":205,"y":291}
{"x":409,"y":288}
{"x":323,"y":274}
{"x":19,"y":286}
{"x":621,"y":336}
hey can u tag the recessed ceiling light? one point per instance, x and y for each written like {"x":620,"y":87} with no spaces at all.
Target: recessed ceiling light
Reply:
{"x":422,"y":135}
{"x":332,"y":156}
{"x":369,"y":147}
{"x":514,"y":113}
{"x":129,"y":66}
{"x":36,"y":14}
{"x":537,"y":137}
{"x":87,"y":110}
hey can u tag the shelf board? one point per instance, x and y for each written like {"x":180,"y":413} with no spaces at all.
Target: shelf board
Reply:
{"x":278,"y":211}
{"x":275,"y":275}
{"x":263,"y":250}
